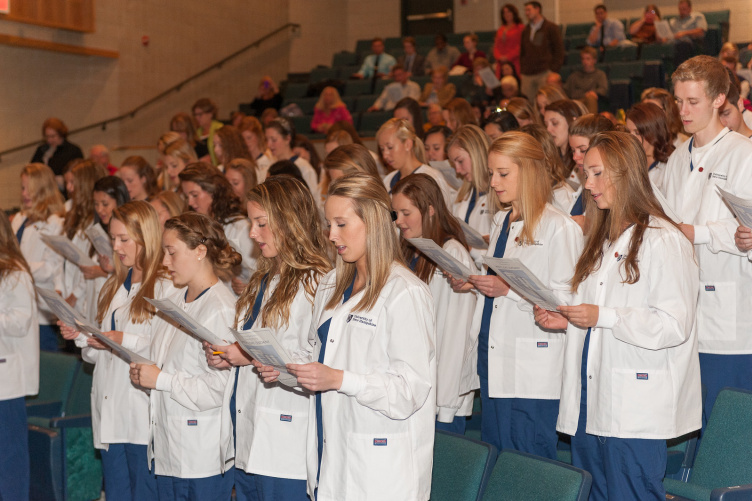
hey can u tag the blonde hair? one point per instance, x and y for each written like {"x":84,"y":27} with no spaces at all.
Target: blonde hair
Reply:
{"x":403,"y":131}
{"x":705,"y":69}
{"x":523,"y":110}
{"x":181,"y":150}
{"x":320,"y":105}
{"x":11,"y":257}
{"x":534,"y":186}
{"x":142,"y":224}
{"x":173,"y":202}
{"x":372,"y":205}
{"x":46,"y":199}
{"x":81,"y":215}
{"x":247,"y":170}
{"x":551,"y":93}
{"x":351,"y":159}
{"x":474,"y":141}
{"x":460,"y":112}
{"x":301,"y":249}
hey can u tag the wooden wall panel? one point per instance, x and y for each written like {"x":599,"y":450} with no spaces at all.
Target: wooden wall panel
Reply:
{"x":75,"y":15}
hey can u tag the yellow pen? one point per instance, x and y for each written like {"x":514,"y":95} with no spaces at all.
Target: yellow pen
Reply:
{"x":218,"y":353}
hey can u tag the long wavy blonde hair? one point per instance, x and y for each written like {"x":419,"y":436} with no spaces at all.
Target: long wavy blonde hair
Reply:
{"x":474,"y":141}
{"x":46,"y":199}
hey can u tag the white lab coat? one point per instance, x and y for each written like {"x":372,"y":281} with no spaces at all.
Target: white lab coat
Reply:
{"x":85,"y":291}
{"x":262,"y":168}
{"x":191,"y":434}
{"x":310,"y":177}
{"x":379,"y":427}
{"x":564,"y":197}
{"x":450,"y":194}
{"x":120,"y":410}
{"x":454,"y":312}
{"x":724,"y":312}
{"x":481,"y":219}
{"x":525,"y":361}
{"x":656,"y":175}
{"x":643,"y":369}
{"x":19,"y":337}
{"x":272,"y":419}
{"x":46,"y":265}
{"x":238,"y":234}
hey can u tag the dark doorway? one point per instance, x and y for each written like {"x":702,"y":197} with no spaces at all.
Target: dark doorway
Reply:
{"x":427,"y":17}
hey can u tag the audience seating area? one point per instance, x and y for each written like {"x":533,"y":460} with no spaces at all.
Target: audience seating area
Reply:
{"x":630,"y":69}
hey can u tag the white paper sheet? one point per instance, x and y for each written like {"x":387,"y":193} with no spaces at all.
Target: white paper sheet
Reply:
{"x":473,"y":236}
{"x":663,"y":30}
{"x":739,"y":206}
{"x":450,"y":175}
{"x":442,"y":258}
{"x":263,"y":346}
{"x":523,"y":281}
{"x":489,"y":78}
{"x":68,"y":250}
{"x":60,"y":307}
{"x":124,"y":353}
{"x":99,"y":239}
{"x":665,"y":205}
{"x":182,"y":318}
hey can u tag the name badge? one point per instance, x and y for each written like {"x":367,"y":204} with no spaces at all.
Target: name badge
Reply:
{"x":717,"y":175}
{"x":710,"y":288}
{"x":193,"y":422}
{"x":2,"y":360}
{"x":381,"y":442}
{"x":542,"y":344}
{"x":642,"y":375}
{"x":285,"y":417}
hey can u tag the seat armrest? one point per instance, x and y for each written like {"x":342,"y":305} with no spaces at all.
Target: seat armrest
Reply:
{"x":79,"y":421}
{"x":44,"y":408}
{"x":735,"y":493}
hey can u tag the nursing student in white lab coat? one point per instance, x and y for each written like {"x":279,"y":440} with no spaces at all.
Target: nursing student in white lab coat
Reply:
{"x":41,"y":213}
{"x":405,"y":153}
{"x":520,"y":364}
{"x":715,"y":157}
{"x":120,"y":411}
{"x":422,"y":213}
{"x":372,"y":419}
{"x":280,"y":138}
{"x":647,"y":122}
{"x":631,"y":370}
{"x":78,"y":290}
{"x":19,"y":363}
{"x":271,"y":420}
{"x":190,"y":438}
{"x":209,"y":192}
{"x":468,"y":153}
{"x":731,"y":113}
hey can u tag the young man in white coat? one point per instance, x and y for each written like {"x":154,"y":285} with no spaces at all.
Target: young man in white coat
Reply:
{"x":715,"y":157}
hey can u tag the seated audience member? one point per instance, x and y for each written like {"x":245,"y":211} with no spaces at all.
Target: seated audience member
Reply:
{"x":409,"y":109}
{"x":665,"y":101}
{"x":268,"y":115}
{"x":439,"y":90}
{"x":441,"y":54}
{"x":547,"y":95}
{"x":329,"y":109}
{"x":475,"y":90}
{"x":402,"y":87}
{"x":731,"y":111}
{"x":268,"y":96}
{"x":466,"y":59}
{"x":100,"y":155}
{"x":412,"y":61}
{"x":689,"y":26}
{"x":498,"y":123}
{"x":507,"y":41}
{"x":205,"y":113}
{"x":509,"y":87}
{"x":435,"y":117}
{"x":523,"y":111}
{"x":349,"y":129}
{"x":379,"y":64}
{"x":182,"y":123}
{"x":56,"y":151}
{"x":554,"y":79}
{"x":505,"y":68}
{"x":459,"y":112}
{"x":606,"y":32}
{"x":587,"y":83}
{"x":236,"y":117}
{"x":643,"y":30}
{"x":436,"y":140}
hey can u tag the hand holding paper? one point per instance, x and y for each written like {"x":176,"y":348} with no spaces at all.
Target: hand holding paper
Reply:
{"x":441,"y":257}
{"x":68,"y":250}
{"x":739,"y":206}
{"x":473,"y":237}
{"x":523,"y":281}
{"x":263,"y":346}
{"x":60,"y":307}
{"x":117,"y":349}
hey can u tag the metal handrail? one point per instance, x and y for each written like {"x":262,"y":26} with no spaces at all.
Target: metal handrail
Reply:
{"x":294,"y":27}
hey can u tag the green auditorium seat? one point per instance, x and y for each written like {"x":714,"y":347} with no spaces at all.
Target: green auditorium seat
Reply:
{"x":302,"y":124}
{"x":370,"y":122}
{"x":56,"y":374}
{"x":295,"y":90}
{"x":358,"y":87}
{"x":626,"y":53}
{"x":486,"y":36}
{"x":461,"y":467}
{"x":363,"y":47}
{"x":344,"y":58}
{"x":578,"y":29}
{"x":362,"y":103}
{"x":518,"y":476}
{"x":345,"y":72}
{"x":321,"y":73}
{"x":572,"y":58}
{"x":722,"y":470}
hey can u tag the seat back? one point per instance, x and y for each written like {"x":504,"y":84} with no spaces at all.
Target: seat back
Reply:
{"x":79,"y":399}
{"x":56,"y":373}
{"x":725,"y":454}
{"x":461,"y":467}
{"x":519,"y":476}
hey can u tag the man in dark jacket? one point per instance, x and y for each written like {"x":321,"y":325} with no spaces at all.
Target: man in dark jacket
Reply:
{"x":541,"y":50}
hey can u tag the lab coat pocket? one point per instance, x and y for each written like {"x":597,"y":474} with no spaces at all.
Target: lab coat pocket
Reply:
{"x":716,"y":317}
{"x":642,"y":398}
{"x":280,"y":436}
{"x":538,"y":367}
{"x":199,"y":442}
{"x":12,"y":375}
{"x":379,"y":466}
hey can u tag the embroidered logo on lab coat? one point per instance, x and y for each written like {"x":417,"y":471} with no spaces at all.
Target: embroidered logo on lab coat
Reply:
{"x":717,"y":175}
{"x":710,"y":288}
{"x":285,"y":417}
{"x":542,"y":344}
{"x":379,"y":441}
{"x":642,"y":375}
{"x":193,"y":422}
{"x":362,"y":320}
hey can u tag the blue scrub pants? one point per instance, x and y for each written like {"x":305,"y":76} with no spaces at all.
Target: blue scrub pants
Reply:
{"x":523,"y":424}
{"x":48,"y":338}
{"x":215,"y":488}
{"x":457,"y":426}
{"x":252,"y":487}
{"x":720,"y":371}
{"x":14,"y":452}
{"x":126,"y":473}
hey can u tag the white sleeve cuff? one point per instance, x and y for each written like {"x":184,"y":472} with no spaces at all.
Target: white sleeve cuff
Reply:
{"x":446,"y":414}
{"x":352,"y":383}
{"x":81,"y":341}
{"x":702,"y":235}
{"x":607,"y":317}
{"x":164,"y":381}
{"x":129,"y":341}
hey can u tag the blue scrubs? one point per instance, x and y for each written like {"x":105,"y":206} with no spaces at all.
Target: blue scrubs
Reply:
{"x":578,"y":208}
{"x":250,"y":486}
{"x":214,"y":488}
{"x":14,"y":453}
{"x":622,"y":468}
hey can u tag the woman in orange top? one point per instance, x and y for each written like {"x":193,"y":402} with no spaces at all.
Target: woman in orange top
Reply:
{"x":508,"y":38}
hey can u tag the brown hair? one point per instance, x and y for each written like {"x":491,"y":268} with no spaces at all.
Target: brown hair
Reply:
{"x":11,"y":257}
{"x":461,"y":111}
{"x":351,"y":159}
{"x":252,"y":124}
{"x":183,"y":122}
{"x":81,"y":215}
{"x":523,"y":110}
{"x":46,"y":199}
{"x":557,"y":171}
{"x":552,"y":93}
{"x":424,"y":193}
{"x":247,"y":170}
{"x":705,"y":69}
{"x":232,"y":144}
{"x":143,"y":170}
{"x":474,"y":141}
{"x":173,"y":202}
{"x":668,"y":104}
{"x":650,"y":122}
{"x":225,"y":206}
{"x":57,"y":125}
{"x":571,"y":112}
{"x":206,"y":105}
